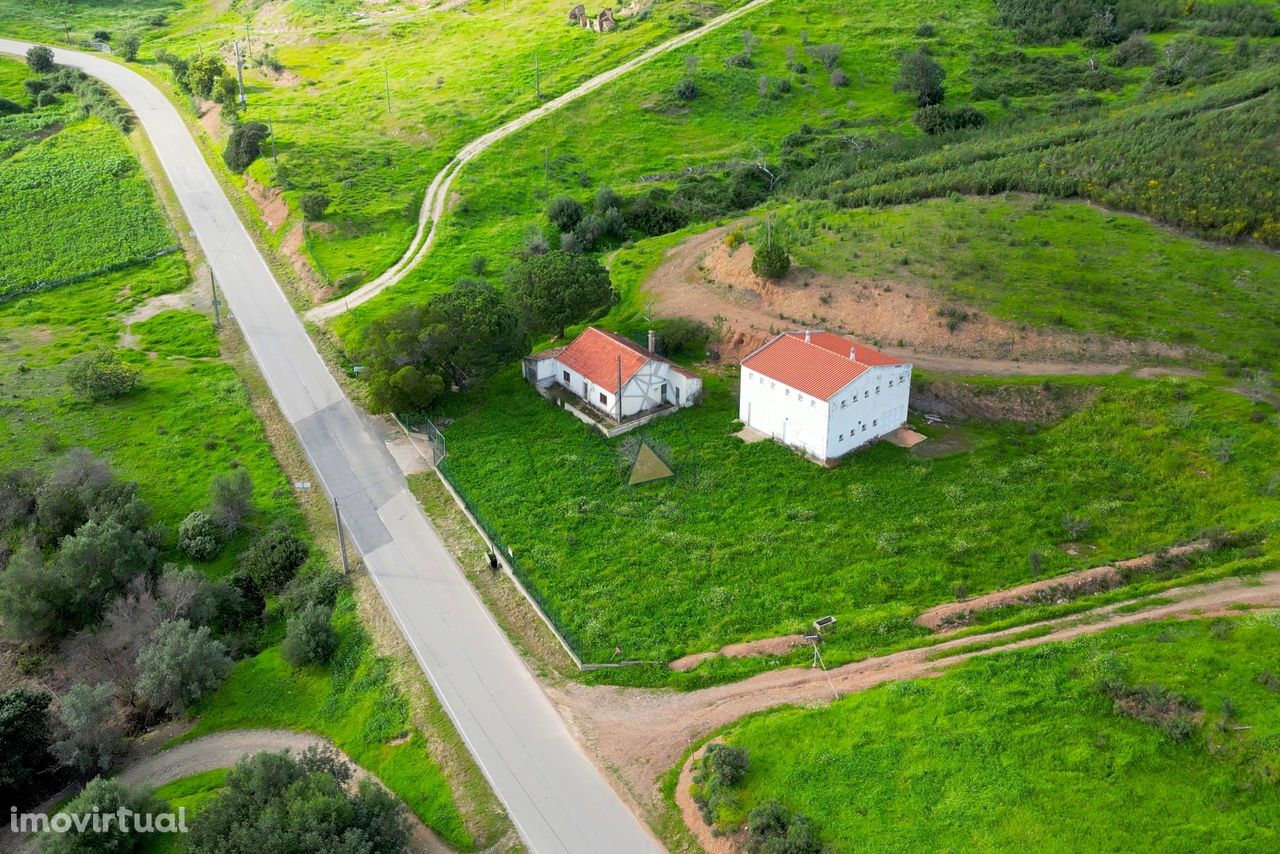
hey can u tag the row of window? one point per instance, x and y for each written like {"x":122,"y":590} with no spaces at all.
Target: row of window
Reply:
{"x":862,"y":427}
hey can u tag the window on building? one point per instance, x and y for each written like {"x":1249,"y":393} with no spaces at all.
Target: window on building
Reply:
{"x":812,"y":404}
{"x":874,"y":422}
{"x":662,"y":392}
{"x":566,"y":375}
{"x":773,"y":385}
{"x":841,"y":437}
{"x":867,"y":393}
{"x":864,"y":428}
{"x":877,"y":389}
{"x":604,"y":399}
{"x":788,"y":392}
{"x":890,"y":383}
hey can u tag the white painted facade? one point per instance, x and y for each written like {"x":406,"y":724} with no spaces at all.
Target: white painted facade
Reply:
{"x":870,"y":406}
{"x":655,"y":384}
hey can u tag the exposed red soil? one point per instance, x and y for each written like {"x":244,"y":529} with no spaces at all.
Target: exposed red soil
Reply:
{"x":747,"y":649}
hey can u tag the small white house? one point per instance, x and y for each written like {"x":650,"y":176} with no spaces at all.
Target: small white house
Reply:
{"x":823,"y":394}
{"x":616,"y":377}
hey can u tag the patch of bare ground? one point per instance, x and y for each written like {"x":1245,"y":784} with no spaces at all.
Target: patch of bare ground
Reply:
{"x":704,"y":278}
{"x":711,"y":844}
{"x":1060,"y":589}
{"x":1034,"y":404}
{"x":292,"y":247}
{"x":211,"y":118}
{"x":748,"y":649}
{"x":270,"y":202}
{"x":642,"y":733}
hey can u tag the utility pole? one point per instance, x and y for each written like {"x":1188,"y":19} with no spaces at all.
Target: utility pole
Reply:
{"x":342,"y":539}
{"x":240,"y":75}
{"x":248,"y":40}
{"x":217,"y":315}
{"x":386,"y":80}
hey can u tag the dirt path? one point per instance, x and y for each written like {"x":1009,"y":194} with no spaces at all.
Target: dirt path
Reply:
{"x":704,"y":279}
{"x":223,"y":750}
{"x":436,"y":200}
{"x":642,"y":733}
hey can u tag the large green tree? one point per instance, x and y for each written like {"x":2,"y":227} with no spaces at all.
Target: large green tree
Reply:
{"x":553,"y":290}
{"x":922,"y":76}
{"x":179,"y":666}
{"x":24,"y":742}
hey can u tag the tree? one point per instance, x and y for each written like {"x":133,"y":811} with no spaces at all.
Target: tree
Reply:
{"x":553,"y":290}
{"x":203,"y":70}
{"x":313,"y":206}
{"x":310,"y":637}
{"x":274,"y":557}
{"x":129,"y":46}
{"x":105,"y":797}
{"x":244,"y":145}
{"x":920,"y":75}
{"x":24,"y":742}
{"x":227,"y":93}
{"x":101,"y":375}
{"x":686,"y":89}
{"x":314,"y":588}
{"x":772,"y":261}
{"x":180,"y":665}
{"x":85,"y":712}
{"x":40,"y":59}
{"x":285,"y":805}
{"x":231,"y":500}
{"x":199,"y":536}
{"x":564,"y":212}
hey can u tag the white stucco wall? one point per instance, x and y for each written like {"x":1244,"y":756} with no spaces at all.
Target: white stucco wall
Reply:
{"x":869,"y":407}
{"x":786,"y":414}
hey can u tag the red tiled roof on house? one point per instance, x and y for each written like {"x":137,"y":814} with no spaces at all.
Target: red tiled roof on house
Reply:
{"x":595,"y":353}
{"x":818,"y":364}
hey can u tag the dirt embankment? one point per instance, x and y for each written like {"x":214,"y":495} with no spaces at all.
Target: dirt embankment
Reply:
{"x":706,"y":279}
{"x":1030,"y":404}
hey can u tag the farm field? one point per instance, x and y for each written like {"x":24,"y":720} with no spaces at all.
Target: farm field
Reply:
{"x":754,"y":541}
{"x":1033,"y":749}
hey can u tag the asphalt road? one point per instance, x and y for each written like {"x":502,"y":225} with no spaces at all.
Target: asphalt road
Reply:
{"x":556,"y":797}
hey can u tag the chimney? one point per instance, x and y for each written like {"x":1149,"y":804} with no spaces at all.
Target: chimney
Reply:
{"x":806,"y":336}
{"x":653,"y":341}
{"x":853,"y":354}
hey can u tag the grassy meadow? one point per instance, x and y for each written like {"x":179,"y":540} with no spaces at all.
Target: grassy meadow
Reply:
{"x":755,"y":541}
{"x":1027,"y":750}
{"x":1057,"y":264}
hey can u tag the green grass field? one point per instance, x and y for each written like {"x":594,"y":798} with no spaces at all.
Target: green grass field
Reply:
{"x":1022,"y":750}
{"x":1065,"y":264}
{"x":755,"y":541}
{"x":354,"y":704}
{"x":74,"y":205}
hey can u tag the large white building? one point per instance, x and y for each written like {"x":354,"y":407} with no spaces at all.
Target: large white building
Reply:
{"x":615,"y":376}
{"x":823,"y":394}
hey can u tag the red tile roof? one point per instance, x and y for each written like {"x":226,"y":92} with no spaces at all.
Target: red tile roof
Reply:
{"x":595,"y":353}
{"x":818,"y":364}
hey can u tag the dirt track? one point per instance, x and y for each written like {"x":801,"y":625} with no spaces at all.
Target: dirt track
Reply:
{"x":642,"y":733}
{"x":701,"y":278}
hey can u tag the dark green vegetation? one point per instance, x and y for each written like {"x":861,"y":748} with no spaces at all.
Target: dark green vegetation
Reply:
{"x":753,"y":541}
{"x":1079,"y":746}
{"x":1062,"y":264}
{"x":279,"y":803}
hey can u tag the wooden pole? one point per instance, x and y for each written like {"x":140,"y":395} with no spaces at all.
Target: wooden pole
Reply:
{"x":342,"y":539}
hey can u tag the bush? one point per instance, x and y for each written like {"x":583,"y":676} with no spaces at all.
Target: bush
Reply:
{"x":925,"y":30}
{"x":683,"y":335}
{"x":198,"y":536}
{"x":774,"y":829}
{"x":24,"y":743}
{"x":921,"y":76}
{"x":1137,"y":49}
{"x":316,"y":588}
{"x":936,"y":118}
{"x":102,"y":376}
{"x":86,"y":713}
{"x":314,"y":206}
{"x":839,"y":79}
{"x":274,"y":557}
{"x":244,"y":145}
{"x":180,"y":665}
{"x":129,"y":46}
{"x":772,"y":261}
{"x":740,"y":60}
{"x":727,"y":763}
{"x":310,"y":637}
{"x":565,"y":212}
{"x":231,"y":500}
{"x":105,"y":797}
{"x":652,"y":214}
{"x":40,"y":59}
{"x":686,"y":89}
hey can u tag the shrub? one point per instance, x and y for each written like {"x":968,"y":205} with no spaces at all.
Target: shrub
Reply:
{"x":686,"y":89}
{"x":607,"y":200}
{"x":40,"y":59}
{"x":199,"y":536}
{"x":310,"y":637}
{"x":565,"y":212}
{"x":102,"y":376}
{"x":104,"y":797}
{"x":244,"y":145}
{"x":8,"y":108}
{"x":1137,"y":49}
{"x":936,"y":119}
{"x":180,"y":665}
{"x":772,"y":261}
{"x":652,"y":214}
{"x":826,"y":55}
{"x":313,"y":206}
{"x":274,"y":557}
{"x":839,"y":79}
{"x":316,"y":588}
{"x":740,"y":60}
{"x":774,"y":829}
{"x":231,"y":500}
{"x":925,"y":30}
{"x":684,"y":335}
{"x":203,"y":70}
{"x":129,"y":46}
